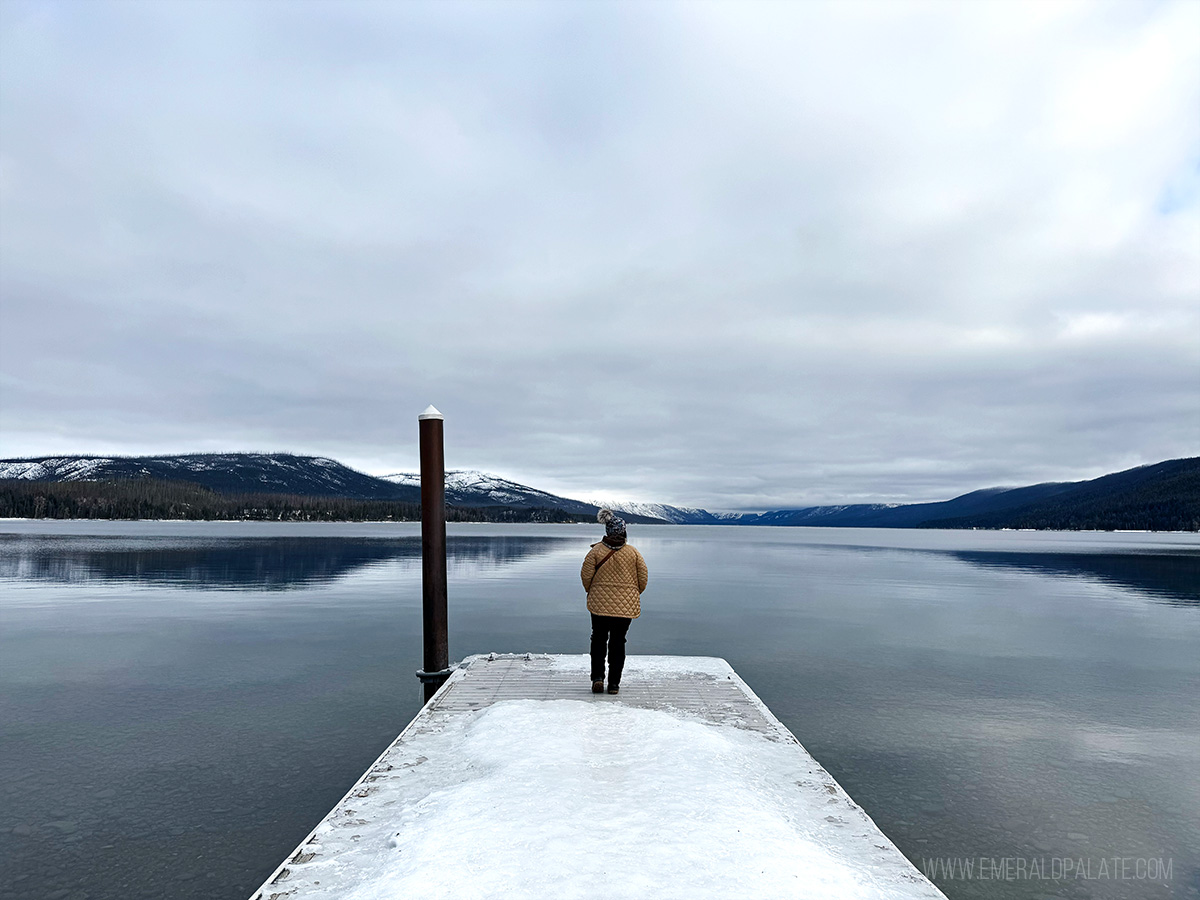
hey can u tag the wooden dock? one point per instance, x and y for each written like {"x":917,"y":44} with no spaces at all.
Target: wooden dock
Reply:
{"x":447,"y":809}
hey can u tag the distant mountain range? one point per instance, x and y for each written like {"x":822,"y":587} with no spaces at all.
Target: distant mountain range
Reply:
{"x":225,"y":473}
{"x":469,"y":488}
{"x":1160,"y":497}
{"x":1164,"y":496}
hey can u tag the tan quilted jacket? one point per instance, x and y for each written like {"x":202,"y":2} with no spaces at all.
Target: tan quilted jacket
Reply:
{"x":617,"y":588}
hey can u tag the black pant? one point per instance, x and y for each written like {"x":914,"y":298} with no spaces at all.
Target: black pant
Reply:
{"x":608,"y":631}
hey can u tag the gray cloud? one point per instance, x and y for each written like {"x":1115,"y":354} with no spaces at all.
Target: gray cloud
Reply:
{"x":699,"y":253}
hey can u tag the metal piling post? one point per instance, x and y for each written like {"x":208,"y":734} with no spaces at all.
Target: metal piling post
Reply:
{"x":433,"y":552}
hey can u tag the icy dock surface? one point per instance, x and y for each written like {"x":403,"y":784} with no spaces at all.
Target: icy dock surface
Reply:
{"x":517,"y":781}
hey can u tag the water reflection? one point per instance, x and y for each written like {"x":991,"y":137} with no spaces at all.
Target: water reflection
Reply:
{"x":286,"y":563}
{"x":979,"y":698}
{"x":1172,"y":579}
{"x":254,"y":564}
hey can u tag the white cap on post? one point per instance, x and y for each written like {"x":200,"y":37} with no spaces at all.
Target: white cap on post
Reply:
{"x":430,"y":412}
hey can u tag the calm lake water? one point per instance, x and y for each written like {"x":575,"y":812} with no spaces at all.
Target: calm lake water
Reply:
{"x":180,"y":703}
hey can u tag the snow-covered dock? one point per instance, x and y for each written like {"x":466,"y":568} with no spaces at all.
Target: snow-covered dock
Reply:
{"x":516,"y":781}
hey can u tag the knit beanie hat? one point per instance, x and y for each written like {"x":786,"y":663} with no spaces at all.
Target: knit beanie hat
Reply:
{"x":614,"y":525}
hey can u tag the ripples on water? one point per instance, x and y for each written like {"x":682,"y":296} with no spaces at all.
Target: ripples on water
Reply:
{"x":180,"y":704}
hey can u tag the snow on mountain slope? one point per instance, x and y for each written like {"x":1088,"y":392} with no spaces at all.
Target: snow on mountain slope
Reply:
{"x":275,"y":473}
{"x":468,"y":487}
{"x":501,"y":490}
{"x":676,"y":515}
{"x":66,"y":468}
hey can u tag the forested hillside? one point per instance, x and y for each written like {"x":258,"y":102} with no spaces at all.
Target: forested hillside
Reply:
{"x":149,"y":498}
{"x":225,"y":473}
{"x":1162,"y":497}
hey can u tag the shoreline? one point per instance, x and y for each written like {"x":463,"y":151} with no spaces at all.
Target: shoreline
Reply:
{"x":823,"y":528}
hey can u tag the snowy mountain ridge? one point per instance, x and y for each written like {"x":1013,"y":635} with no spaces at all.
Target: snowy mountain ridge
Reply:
{"x":66,"y":468}
{"x":273,"y":473}
{"x":459,"y":481}
{"x":470,"y":487}
{"x":676,"y":515}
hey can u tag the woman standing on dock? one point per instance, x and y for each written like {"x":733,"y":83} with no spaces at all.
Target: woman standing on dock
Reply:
{"x":614,"y":576}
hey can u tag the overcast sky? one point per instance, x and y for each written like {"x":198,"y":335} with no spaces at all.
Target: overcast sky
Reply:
{"x":728,"y":255}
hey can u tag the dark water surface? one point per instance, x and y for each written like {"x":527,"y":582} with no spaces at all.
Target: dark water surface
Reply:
{"x":181,"y":703}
